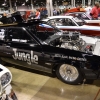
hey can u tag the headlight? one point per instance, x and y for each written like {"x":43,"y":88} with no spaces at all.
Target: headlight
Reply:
{"x":5,"y":79}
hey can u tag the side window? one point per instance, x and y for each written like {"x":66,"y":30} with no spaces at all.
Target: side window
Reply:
{"x":69,"y":22}
{"x":56,"y":22}
{"x":19,"y":35}
{"x":62,"y":22}
{"x":2,"y":33}
{"x":52,"y":22}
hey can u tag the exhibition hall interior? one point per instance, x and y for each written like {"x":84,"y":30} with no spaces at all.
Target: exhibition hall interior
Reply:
{"x":49,"y":50}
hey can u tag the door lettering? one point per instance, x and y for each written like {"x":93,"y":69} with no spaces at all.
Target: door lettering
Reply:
{"x":28,"y":57}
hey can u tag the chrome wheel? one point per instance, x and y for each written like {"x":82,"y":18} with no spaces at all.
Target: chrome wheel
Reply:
{"x":68,"y":72}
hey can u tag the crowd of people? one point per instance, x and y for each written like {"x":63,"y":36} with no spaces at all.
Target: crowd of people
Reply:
{"x":93,"y":12}
{"x":38,"y":14}
{"x":43,"y":13}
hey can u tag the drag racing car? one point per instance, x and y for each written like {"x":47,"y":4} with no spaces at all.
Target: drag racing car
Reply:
{"x":84,"y":17}
{"x":71,"y":23}
{"x":6,"y":91}
{"x":66,"y":54}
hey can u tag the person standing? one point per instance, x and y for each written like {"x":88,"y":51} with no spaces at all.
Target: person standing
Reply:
{"x":54,"y":12}
{"x":32,"y":15}
{"x":88,"y":10}
{"x":45,"y":12}
{"x":58,"y":12}
{"x":4,"y":18}
{"x":99,"y":13}
{"x":94,"y":12}
{"x":37,"y":15}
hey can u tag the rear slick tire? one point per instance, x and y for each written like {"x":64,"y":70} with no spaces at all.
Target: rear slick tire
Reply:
{"x":69,"y":74}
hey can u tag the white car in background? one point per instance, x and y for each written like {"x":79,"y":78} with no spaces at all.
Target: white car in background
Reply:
{"x":6,"y":91}
{"x":83,"y":16}
{"x":70,"y":23}
{"x":89,"y":34}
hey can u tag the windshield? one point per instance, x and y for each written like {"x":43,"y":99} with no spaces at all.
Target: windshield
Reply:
{"x":43,"y":31}
{"x":79,"y":20}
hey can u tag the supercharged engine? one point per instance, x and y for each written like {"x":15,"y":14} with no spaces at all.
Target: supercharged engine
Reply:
{"x":69,"y":40}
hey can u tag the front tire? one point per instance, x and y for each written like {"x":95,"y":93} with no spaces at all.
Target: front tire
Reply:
{"x":69,"y":74}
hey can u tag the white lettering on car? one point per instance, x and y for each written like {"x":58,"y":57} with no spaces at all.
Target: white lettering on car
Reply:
{"x":70,"y":57}
{"x":28,"y":57}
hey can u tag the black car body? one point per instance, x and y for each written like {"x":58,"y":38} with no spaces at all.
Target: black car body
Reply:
{"x":30,"y":45}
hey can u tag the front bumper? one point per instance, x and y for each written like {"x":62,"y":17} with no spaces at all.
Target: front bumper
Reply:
{"x":8,"y":94}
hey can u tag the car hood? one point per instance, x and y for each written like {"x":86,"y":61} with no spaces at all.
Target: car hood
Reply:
{"x":92,"y":21}
{"x":54,"y":37}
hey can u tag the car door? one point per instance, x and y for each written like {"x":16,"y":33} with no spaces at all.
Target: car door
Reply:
{"x":22,"y":49}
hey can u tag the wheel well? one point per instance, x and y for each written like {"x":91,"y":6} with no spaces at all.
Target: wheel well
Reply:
{"x":54,"y":68}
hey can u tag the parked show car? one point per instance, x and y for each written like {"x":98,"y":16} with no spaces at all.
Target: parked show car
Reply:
{"x":71,"y":23}
{"x":78,"y":14}
{"x":6,"y":91}
{"x":83,"y":16}
{"x":32,"y":45}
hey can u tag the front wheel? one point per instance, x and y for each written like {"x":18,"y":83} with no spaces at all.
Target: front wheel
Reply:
{"x":69,"y":74}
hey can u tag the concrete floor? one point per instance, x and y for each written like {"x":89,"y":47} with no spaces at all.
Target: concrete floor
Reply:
{"x":32,"y":86}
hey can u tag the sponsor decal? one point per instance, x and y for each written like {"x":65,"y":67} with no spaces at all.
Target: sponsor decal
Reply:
{"x":28,"y":57}
{"x":70,"y":57}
